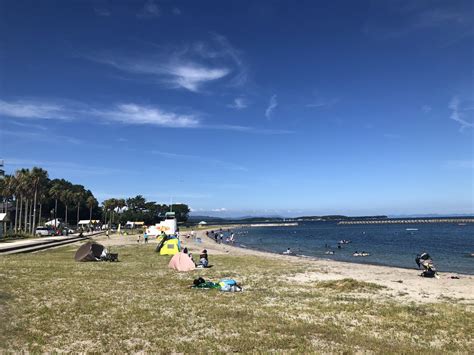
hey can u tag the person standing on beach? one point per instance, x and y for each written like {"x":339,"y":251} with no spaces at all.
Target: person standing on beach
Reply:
{"x":138,"y":238}
{"x":145,"y":238}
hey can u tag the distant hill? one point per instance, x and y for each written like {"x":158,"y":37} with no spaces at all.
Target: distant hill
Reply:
{"x":270,"y":219}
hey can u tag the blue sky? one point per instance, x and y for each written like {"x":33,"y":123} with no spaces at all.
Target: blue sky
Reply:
{"x":245,"y":107}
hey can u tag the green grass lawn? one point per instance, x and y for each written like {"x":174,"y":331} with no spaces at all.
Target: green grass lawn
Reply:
{"x":48,"y":302}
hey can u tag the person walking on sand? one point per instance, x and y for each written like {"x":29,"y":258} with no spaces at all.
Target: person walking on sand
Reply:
{"x":138,"y":238}
{"x":145,"y":238}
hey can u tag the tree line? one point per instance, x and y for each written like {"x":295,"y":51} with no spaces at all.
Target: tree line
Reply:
{"x":139,"y":209}
{"x":30,"y":198}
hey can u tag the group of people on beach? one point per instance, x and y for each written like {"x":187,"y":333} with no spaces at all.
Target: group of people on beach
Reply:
{"x":219,"y":236}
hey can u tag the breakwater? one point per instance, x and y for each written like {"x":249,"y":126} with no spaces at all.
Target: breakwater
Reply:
{"x":412,"y":221}
{"x":274,"y":224}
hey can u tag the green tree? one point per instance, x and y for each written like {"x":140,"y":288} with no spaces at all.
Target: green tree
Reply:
{"x":67,"y":199}
{"x":55,"y":192}
{"x":39,"y":181}
{"x":91,"y":202}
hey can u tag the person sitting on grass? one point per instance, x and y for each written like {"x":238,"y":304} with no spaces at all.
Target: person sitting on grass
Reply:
{"x":204,"y":259}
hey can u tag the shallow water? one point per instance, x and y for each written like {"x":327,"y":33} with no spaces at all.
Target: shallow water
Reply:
{"x":450,"y":245}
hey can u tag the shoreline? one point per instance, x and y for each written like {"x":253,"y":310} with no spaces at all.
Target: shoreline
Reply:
{"x":400,"y":284}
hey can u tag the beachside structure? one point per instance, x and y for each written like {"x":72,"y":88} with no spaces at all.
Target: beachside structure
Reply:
{"x":202,"y":224}
{"x":133,"y":225}
{"x":3,"y":223}
{"x":88,"y":223}
{"x":169,"y":225}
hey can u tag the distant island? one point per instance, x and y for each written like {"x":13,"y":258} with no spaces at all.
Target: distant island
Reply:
{"x":328,"y":218}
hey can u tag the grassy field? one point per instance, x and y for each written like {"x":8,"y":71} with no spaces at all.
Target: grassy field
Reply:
{"x":48,"y":302}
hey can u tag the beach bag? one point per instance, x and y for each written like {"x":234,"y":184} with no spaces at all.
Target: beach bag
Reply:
{"x":229,"y":285}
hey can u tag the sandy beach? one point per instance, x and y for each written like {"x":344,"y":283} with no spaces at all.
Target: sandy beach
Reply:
{"x":405,"y":285}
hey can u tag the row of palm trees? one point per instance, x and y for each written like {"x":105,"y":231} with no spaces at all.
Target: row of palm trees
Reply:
{"x":26,"y":192}
{"x":112,"y":206}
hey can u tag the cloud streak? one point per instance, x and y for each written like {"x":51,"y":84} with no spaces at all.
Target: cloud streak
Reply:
{"x":123,"y":113}
{"x":271,"y":106}
{"x":239,"y":103}
{"x":190,"y":67}
{"x":26,"y":109}
{"x":457,"y":114}
{"x":136,"y":114}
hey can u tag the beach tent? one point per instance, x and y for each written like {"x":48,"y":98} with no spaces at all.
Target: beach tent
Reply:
{"x":181,"y":262}
{"x":170,"y":247}
{"x":89,"y":252}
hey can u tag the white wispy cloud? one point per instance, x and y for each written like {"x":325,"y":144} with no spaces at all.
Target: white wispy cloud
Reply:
{"x":123,"y":113}
{"x":271,"y":106}
{"x":457,"y":114}
{"x":127,"y":113}
{"x":189,"y":67}
{"x":31,"y":109}
{"x":150,"y":10}
{"x":137,"y":114}
{"x":175,"y":74}
{"x":192,"y":76}
{"x":239,"y":103}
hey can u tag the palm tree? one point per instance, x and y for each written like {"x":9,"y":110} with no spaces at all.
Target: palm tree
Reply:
{"x":66,"y":199}
{"x":22,"y":177}
{"x":78,"y":198}
{"x":39,"y":179}
{"x":91,"y":202}
{"x":55,"y":192}
{"x":16,"y":192}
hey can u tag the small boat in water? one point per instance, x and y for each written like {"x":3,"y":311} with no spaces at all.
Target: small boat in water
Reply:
{"x":344,"y":241}
{"x":411,"y":229}
{"x":329,"y":252}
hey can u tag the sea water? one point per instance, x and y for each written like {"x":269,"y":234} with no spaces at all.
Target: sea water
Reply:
{"x":450,"y":245}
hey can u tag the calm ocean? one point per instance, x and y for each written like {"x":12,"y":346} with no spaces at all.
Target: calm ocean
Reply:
{"x":450,"y":245}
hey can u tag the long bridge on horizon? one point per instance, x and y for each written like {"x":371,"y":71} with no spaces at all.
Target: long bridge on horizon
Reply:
{"x":459,"y":221}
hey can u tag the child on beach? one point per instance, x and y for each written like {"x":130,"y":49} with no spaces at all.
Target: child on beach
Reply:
{"x":145,"y":238}
{"x":138,"y":239}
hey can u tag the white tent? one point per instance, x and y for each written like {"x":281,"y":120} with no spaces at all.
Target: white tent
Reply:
{"x":4,"y":217}
{"x":53,"y":222}
{"x":88,"y":221}
{"x":202,"y":223}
